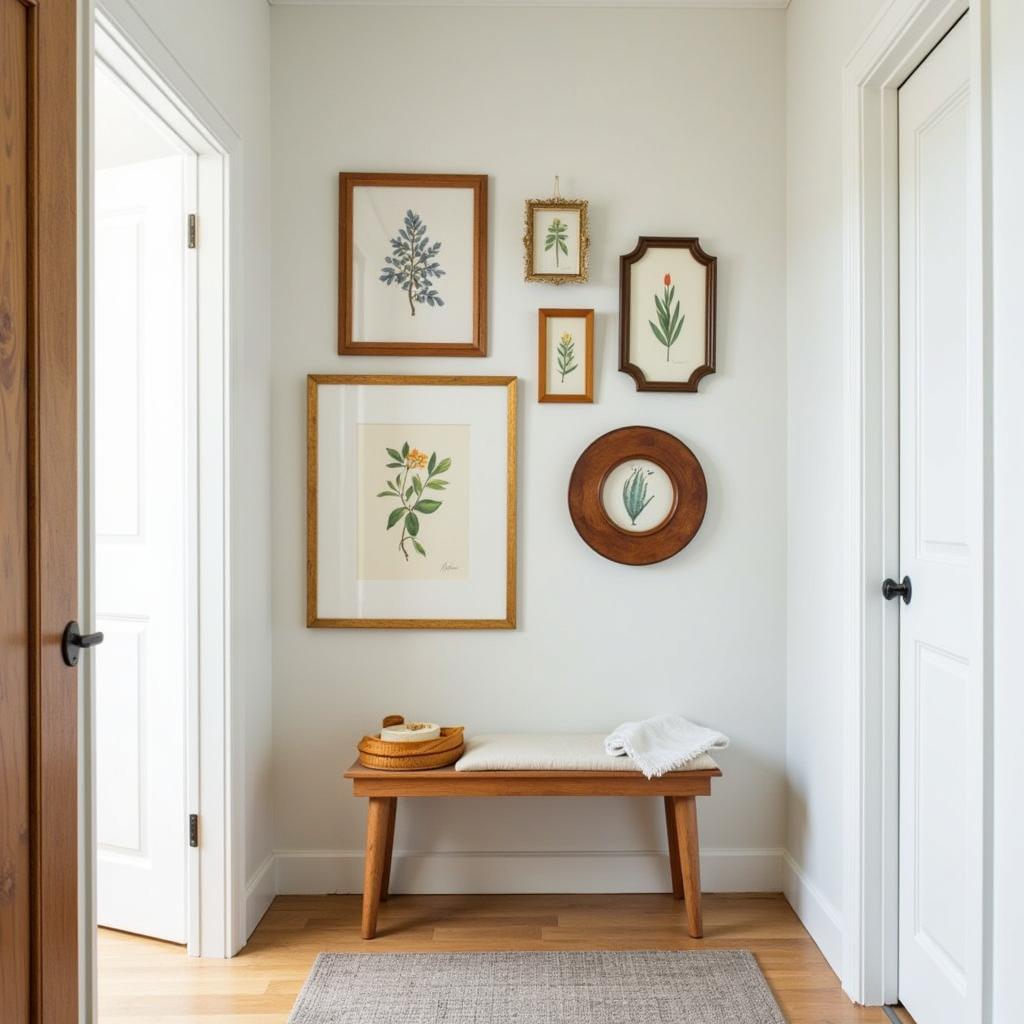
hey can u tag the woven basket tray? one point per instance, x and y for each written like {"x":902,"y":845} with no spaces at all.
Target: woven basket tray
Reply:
{"x":446,"y":749}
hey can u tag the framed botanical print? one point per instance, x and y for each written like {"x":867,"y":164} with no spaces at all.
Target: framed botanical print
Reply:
{"x":557,"y":241}
{"x":637,"y":495}
{"x":412,"y":265}
{"x":565,"y":346}
{"x":411,"y":502}
{"x":667,"y":314}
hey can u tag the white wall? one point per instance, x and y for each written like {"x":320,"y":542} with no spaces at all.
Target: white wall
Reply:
{"x":225,"y":48}
{"x":821,"y":35}
{"x":668,"y":121}
{"x":1007,"y":35}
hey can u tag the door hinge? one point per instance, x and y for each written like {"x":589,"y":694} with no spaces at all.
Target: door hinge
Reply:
{"x":192,"y":230}
{"x":193,"y":830}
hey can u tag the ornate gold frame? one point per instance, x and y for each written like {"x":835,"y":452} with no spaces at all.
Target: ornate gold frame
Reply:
{"x":313,"y":381}
{"x":557,"y":203}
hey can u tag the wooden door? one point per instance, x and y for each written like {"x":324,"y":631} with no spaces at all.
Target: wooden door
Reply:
{"x":940,"y":755}
{"x":38,"y":513}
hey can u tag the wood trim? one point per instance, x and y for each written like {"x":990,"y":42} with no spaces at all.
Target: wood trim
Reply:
{"x":347,"y":183}
{"x":313,"y":381}
{"x":582,"y":207}
{"x":675,"y":868}
{"x":689,"y":860}
{"x":449,"y":782}
{"x":16,"y":623}
{"x":543,"y":395}
{"x":586,"y":486}
{"x":38,"y":409}
{"x":389,"y":849}
{"x":626,"y":365}
{"x":54,"y":470}
{"x":378,"y":819}
{"x":312,"y":493}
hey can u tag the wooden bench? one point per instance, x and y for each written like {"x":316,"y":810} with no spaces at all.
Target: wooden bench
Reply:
{"x":679,"y":790}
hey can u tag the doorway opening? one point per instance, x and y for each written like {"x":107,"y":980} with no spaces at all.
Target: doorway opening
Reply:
{"x":157,"y":850}
{"x":144,"y":513}
{"x":904,"y":388}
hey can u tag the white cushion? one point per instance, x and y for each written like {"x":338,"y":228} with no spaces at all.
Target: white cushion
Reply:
{"x":559,"y":752}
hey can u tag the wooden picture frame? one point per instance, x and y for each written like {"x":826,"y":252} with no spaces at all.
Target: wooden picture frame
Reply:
{"x":567,"y":358}
{"x":609,"y":501}
{"x":542,"y":248}
{"x":340,"y":484}
{"x":642,"y":331}
{"x":454,"y":227}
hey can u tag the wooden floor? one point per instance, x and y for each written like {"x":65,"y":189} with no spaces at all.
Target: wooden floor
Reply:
{"x":141,"y":980}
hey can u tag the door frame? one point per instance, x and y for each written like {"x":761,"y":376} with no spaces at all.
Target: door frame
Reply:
{"x":115,"y":34}
{"x":901,"y":36}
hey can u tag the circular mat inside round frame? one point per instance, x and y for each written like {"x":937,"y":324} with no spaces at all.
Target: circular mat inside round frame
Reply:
{"x":637,"y":495}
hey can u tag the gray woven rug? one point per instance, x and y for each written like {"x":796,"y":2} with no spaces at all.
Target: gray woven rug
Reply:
{"x":715,"y":987}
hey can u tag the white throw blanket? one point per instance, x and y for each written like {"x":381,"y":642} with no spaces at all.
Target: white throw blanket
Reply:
{"x":663,"y":744}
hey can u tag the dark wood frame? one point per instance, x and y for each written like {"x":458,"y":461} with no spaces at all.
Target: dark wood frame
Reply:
{"x":582,"y":207}
{"x":710,"y":263}
{"x":477,"y":345}
{"x":543,"y":395}
{"x":679,"y":791}
{"x":313,"y":619}
{"x":587,"y":508}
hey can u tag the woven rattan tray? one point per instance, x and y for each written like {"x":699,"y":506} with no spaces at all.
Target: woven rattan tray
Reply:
{"x":377,"y":753}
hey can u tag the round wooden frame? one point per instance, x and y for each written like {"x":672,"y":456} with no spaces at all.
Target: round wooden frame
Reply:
{"x":586,"y":506}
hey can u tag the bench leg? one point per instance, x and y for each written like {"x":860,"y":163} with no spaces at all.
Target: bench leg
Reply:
{"x":689,"y":856}
{"x":389,"y":844}
{"x":377,"y":816}
{"x":673,"y":849}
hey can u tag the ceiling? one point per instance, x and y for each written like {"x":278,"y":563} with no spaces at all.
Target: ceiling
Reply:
{"x":749,"y":4}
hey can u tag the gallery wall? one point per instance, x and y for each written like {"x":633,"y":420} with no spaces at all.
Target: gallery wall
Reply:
{"x":668,"y":122}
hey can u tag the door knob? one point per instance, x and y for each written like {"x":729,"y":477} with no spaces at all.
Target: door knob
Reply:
{"x":891,"y":589}
{"x":74,"y":640}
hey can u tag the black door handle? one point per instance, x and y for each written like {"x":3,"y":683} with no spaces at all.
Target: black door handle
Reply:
{"x":891,"y":589}
{"x":74,"y":640}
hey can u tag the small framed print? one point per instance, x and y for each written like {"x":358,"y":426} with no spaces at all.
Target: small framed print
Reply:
{"x":557,"y":241}
{"x":411,"y":502}
{"x":412,"y":265}
{"x":637,"y":495}
{"x":667,"y":290}
{"x":566,"y":355}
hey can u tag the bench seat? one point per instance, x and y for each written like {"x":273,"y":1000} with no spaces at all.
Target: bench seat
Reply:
{"x":678,"y":790}
{"x":564,"y":752}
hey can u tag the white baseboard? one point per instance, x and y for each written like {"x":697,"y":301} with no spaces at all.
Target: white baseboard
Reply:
{"x":815,"y":911}
{"x":310,"y":872}
{"x":260,"y":891}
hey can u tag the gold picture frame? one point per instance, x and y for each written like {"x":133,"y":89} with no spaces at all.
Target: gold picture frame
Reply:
{"x":502,"y":419}
{"x":546,"y":246}
{"x":569,"y":360}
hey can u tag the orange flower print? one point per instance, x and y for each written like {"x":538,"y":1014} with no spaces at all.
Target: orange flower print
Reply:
{"x":668,"y":280}
{"x":409,"y":490}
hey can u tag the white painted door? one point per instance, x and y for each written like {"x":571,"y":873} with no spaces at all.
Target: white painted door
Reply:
{"x":142,"y":537}
{"x":940,"y":753}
